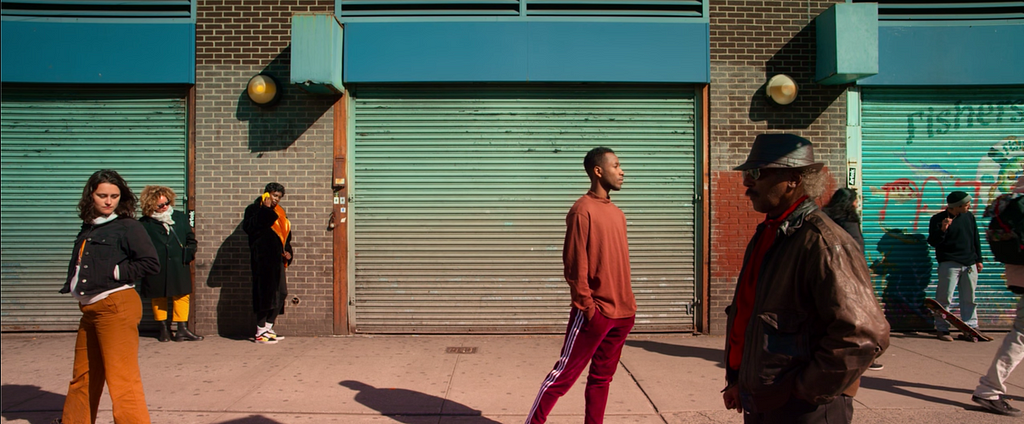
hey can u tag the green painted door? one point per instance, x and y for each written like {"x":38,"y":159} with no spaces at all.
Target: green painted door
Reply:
{"x":918,"y":145}
{"x":459,"y":196}
{"x":51,"y":141}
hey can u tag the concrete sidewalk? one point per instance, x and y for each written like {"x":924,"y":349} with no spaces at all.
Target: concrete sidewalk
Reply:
{"x":411,"y":379}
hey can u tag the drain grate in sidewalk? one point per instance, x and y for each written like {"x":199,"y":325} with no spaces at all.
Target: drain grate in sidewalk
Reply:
{"x":466,"y":350}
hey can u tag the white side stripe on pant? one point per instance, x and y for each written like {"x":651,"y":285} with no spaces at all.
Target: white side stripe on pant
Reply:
{"x":570,"y":341}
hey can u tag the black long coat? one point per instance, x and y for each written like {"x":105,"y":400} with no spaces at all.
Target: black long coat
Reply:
{"x":176,"y":251}
{"x":269,"y":286}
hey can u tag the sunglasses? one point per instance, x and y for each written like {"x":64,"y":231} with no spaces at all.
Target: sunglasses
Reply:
{"x":161,"y":205}
{"x":754,"y":174}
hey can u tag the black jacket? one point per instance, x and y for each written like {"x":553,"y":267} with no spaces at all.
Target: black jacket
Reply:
{"x":176,"y":250}
{"x":269,"y":284}
{"x":122,"y":243}
{"x":960,"y":242}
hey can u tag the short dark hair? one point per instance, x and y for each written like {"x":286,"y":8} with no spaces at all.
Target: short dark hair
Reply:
{"x":595,"y":157}
{"x":274,"y":187}
{"x":125,"y":206}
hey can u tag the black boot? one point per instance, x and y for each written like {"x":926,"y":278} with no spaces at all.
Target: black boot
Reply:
{"x":183,"y":335}
{"x":165,"y":332}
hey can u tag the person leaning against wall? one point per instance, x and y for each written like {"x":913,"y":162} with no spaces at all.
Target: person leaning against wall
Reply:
{"x":176,"y":247}
{"x":111,"y":252}
{"x":270,"y":253}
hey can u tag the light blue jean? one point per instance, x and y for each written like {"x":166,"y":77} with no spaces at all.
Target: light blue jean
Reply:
{"x":993,"y":385}
{"x":966,"y":280}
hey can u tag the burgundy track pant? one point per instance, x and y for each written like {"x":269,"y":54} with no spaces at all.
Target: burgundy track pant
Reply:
{"x":598,"y":342}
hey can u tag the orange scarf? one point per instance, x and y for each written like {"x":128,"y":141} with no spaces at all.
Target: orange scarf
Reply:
{"x":282,"y":227}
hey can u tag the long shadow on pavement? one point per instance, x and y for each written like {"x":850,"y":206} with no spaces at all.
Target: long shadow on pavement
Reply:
{"x":900,"y":387}
{"x":16,"y":398}
{"x":404,"y":405}
{"x":710,"y":355}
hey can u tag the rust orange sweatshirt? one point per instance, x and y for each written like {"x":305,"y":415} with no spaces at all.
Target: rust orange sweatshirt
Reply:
{"x":596,"y":257}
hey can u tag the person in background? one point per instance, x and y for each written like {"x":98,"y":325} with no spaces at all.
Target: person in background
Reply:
{"x":270,"y":253}
{"x":595,"y":258}
{"x":804,"y":323}
{"x":842,"y":208}
{"x":954,"y":235}
{"x":111,"y":252}
{"x":991,"y":388}
{"x":176,"y":247}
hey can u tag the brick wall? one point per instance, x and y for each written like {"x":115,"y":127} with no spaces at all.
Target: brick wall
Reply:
{"x":240,"y":148}
{"x":751,"y":41}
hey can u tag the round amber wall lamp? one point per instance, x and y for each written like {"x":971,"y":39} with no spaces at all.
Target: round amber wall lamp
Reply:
{"x":263,"y":90}
{"x":781,"y":89}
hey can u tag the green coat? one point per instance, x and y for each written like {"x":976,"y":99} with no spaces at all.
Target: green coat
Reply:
{"x":176,"y":251}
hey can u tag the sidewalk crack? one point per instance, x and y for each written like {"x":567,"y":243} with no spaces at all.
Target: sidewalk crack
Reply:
{"x":633,"y":377}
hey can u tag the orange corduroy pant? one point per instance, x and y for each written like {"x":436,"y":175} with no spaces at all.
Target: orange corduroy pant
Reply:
{"x":107,"y":351}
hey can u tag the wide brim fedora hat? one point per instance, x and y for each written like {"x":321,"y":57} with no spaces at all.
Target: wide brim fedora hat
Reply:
{"x":780,"y":151}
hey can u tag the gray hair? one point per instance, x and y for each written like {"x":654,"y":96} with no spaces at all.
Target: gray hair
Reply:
{"x":813,"y":182}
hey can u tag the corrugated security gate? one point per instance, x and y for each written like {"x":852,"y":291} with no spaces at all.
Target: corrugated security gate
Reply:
{"x":52,"y":141}
{"x":460,"y":197}
{"x":917,"y":146}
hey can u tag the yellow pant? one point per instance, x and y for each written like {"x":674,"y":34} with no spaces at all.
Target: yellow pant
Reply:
{"x":107,"y":351}
{"x":179,"y":304}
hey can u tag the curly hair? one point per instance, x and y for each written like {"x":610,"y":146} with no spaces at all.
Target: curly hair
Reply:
{"x":150,"y":196}
{"x":87,"y":206}
{"x":274,"y":187}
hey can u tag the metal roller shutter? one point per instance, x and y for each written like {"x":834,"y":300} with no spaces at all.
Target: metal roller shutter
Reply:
{"x":52,"y":140}
{"x":459,"y":201}
{"x":919,"y":144}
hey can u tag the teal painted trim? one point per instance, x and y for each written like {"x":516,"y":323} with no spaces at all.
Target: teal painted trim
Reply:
{"x":121,"y":53}
{"x":349,"y":20}
{"x":527,"y":51}
{"x":102,"y":11}
{"x":949,"y":55}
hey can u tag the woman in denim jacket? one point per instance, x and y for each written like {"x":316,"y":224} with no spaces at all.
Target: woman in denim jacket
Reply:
{"x":111,"y":252}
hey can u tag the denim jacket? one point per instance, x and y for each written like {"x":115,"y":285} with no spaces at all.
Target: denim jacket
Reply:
{"x":123,"y":243}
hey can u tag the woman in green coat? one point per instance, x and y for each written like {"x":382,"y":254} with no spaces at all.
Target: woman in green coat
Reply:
{"x":176,"y":247}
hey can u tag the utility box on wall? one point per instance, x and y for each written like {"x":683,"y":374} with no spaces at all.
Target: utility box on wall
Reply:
{"x":317,"y":53}
{"x":847,"y":38}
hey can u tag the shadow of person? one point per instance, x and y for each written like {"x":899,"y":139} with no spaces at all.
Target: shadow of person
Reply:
{"x":906,"y":266}
{"x":252,"y":419}
{"x":231,"y":273}
{"x":407,"y":406}
{"x":30,"y":404}
{"x":905,"y":388}
{"x":710,"y":355}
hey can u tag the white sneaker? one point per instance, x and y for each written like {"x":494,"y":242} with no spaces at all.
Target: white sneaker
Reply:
{"x":265,"y":339}
{"x":270,"y":333}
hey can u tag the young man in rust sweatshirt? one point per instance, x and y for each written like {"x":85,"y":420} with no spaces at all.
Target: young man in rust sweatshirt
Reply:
{"x":596,"y":261}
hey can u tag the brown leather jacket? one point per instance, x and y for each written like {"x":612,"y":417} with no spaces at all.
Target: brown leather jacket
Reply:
{"x":816,"y":324}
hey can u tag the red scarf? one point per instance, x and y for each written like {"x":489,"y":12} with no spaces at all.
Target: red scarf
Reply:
{"x":744,"y":302}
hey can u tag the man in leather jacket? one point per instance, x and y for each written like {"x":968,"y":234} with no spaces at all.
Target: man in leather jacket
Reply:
{"x":804,"y":323}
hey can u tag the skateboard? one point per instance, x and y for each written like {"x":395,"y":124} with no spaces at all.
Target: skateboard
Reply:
{"x":969,"y":332}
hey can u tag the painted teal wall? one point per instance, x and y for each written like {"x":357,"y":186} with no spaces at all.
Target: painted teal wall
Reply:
{"x":97,"y":52}
{"x":526,"y":51}
{"x":949,"y":55}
